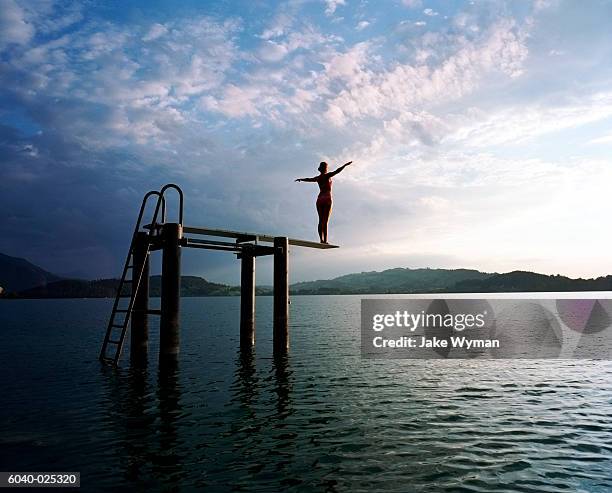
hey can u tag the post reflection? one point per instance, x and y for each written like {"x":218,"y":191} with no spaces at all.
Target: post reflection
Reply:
{"x":245,"y":379}
{"x":281,"y":371}
{"x":168,"y":464}
{"x":128,"y":403}
{"x":147,"y":451}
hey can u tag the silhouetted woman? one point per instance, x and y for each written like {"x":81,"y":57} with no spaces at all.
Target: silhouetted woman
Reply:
{"x":324,"y":200}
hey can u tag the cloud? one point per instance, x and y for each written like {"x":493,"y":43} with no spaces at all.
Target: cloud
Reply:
{"x":332,"y":5}
{"x":275,"y":51}
{"x":272,"y":52}
{"x":517,"y":124}
{"x":361,"y":25}
{"x":605,"y":139}
{"x":430,"y":12}
{"x":539,"y":5}
{"x":375,"y":94}
{"x":142,"y":91}
{"x":235,"y":101}
{"x":14,"y":25}
{"x":278,"y":27}
{"x":156,"y":31}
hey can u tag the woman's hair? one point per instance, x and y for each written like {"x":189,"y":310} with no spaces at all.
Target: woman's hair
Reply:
{"x":322,"y":166}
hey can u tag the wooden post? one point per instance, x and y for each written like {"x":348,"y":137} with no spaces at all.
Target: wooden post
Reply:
{"x":139,"y":337}
{"x":169,"y":329}
{"x":281,"y":295}
{"x":247,"y":298}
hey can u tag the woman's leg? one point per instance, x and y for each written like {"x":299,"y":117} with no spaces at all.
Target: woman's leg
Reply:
{"x":320,"y":226}
{"x":327,"y":208}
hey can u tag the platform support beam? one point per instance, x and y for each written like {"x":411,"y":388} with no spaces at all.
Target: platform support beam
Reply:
{"x":169,"y":330}
{"x":139,"y":334}
{"x":281,"y":295}
{"x":247,"y":298}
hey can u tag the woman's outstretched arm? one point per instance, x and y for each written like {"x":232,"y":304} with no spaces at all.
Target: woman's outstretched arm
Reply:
{"x":335,"y":172}
{"x":307,"y":179}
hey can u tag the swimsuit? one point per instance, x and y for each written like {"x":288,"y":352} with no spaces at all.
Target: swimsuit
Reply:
{"x":325,"y":196}
{"x":324,"y":199}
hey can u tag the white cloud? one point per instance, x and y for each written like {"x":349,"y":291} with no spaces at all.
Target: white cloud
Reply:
{"x":14,"y":26}
{"x":539,"y":5}
{"x":278,"y":27}
{"x":156,"y":31}
{"x":605,"y":139}
{"x":362,"y":25}
{"x":235,"y":102}
{"x":376,"y":94}
{"x":430,"y":12}
{"x":274,"y":51}
{"x":529,"y":121}
{"x":348,"y":65}
{"x":332,"y":5}
{"x":146,"y":88}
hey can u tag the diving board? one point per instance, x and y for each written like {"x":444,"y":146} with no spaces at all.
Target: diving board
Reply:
{"x":242,"y":237}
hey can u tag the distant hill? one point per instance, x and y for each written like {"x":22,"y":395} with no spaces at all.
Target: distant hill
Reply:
{"x":22,"y":279}
{"x":17,"y":274}
{"x":73,"y":288}
{"x":391,"y":281}
{"x":521,"y":281}
{"x":106,"y":288}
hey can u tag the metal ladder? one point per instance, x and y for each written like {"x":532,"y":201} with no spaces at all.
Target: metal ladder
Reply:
{"x":117,"y":329}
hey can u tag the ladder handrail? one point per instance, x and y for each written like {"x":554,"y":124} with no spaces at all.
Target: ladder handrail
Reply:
{"x":180,"y":194}
{"x":160,"y":201}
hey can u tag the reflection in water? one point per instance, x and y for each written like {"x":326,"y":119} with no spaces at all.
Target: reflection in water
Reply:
{"x":245,"y":381}
{"x":283,"y":434}
{"x":137,"y":424}
{"x":282,"y":374}
{"x":127,"y":407}
{"x":148,"y":449}
{"x":168,"y":464}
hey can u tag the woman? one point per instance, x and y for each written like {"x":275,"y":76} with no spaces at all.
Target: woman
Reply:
{"x":324,"y":200}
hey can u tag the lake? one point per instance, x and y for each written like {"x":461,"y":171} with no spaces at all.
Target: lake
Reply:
{"x":323,"y":419}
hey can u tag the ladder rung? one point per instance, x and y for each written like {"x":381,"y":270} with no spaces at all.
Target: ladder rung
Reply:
{"x":128,"y":280}
{"x":154,"y":312}
{"x":122,"y":311}
{"x":113,"y":341}
{"x":118,"y":326}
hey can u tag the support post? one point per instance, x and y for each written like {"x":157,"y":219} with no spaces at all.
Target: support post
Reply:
{"x":169,"y":329}
{"x":281,"y":295}
{"x":139,"y":335}
{"x":247,"y":298}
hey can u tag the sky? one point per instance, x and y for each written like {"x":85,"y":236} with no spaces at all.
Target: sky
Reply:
{"x":480,"y":131}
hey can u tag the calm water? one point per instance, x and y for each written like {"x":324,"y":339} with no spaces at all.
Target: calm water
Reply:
{"x":323,"y":420}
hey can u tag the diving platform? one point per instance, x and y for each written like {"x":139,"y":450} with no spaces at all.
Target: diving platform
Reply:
{"x":242,"y":237}
{"x":170,"y":238}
